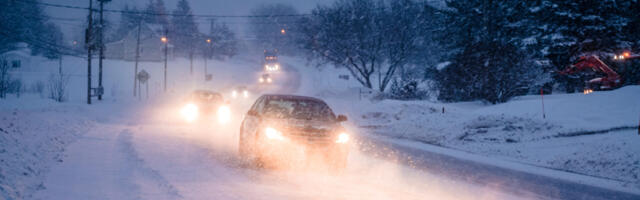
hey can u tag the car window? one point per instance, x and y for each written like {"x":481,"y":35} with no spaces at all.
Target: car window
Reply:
{"x":257,"y":106}
{"x":283,"y":107}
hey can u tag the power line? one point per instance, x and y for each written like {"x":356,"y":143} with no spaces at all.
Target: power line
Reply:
{"x":164,"y":14}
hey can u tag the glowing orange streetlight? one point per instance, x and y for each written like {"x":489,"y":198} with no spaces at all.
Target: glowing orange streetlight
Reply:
{"x":163,"y":39}
{"x":283,"y":31}
{"x":208,"y":40}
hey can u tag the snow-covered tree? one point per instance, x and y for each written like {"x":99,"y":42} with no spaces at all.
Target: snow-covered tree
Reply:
{"x":129,"y":20}
{"x":184,"y":30}
{"x":490,"y":58}
{"x":156,"y":13}
{"x":25,"y":22}
{"x":224,"y":43}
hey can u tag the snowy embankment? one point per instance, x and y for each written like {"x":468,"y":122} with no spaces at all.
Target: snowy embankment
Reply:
{"x":595,"y":135}
{"x":33,"y":137}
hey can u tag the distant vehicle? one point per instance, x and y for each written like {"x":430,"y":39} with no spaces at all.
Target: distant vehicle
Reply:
{"x":277,"y":125}
{"x":605,"y":77}
{"x":265,"y":79}
{"x":270,"y":62}
{"x":204,"y":104}
{"x":240,"y":92}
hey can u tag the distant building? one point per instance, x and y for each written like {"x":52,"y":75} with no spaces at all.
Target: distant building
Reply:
{"x":17,"y":59}
{"x":151,"y":46}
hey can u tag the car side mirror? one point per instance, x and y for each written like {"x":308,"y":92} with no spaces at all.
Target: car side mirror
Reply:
{"x":342,"y":118}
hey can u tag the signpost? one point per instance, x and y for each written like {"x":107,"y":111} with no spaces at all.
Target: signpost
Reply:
{"x":143,"y":78}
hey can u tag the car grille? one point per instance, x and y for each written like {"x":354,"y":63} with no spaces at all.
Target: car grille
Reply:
{"x":311,"y":138}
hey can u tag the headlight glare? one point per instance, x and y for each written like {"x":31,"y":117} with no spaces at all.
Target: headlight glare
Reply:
{"x":342,"y":138}
{"x":273,"y":134}
{"x":189,"y":112}
{"x":224,"y":114}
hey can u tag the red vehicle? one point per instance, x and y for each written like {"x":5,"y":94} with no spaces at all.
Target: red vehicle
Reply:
{"x":611,"y":78}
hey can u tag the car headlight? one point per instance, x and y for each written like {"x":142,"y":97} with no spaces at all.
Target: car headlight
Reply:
{"x":273,"y":134}
{"x":189,"y":112}
{"x":342,"y":138}
{"x":234,"y":94}
{"x":224,"y":114}
{"x":261,"y":80}
{"x":269,"y":80}
{"x":245,"y":94}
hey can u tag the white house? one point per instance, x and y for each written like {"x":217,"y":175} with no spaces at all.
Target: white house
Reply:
{"x":17,"y":59}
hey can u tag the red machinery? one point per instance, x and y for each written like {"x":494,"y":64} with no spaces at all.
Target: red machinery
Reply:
{"x":610,"y":81}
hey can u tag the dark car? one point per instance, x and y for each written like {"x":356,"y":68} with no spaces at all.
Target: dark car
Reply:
{"x":278,"y":126}
{"x":204,"y":104}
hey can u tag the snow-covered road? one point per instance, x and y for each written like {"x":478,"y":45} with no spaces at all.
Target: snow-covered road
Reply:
{"x":153,"y":159}
{"x":138,"y":150}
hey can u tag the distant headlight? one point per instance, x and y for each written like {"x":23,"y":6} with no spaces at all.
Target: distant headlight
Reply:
{"x":189,"y":112}
{"x":224,"y":114}
{"x":269,"y":80}
{"x":245,"y":94}
{"x":343,"y":138}
{"x":273,"y":134}
{"x":234,"y":94}
{"x":261,"y":80}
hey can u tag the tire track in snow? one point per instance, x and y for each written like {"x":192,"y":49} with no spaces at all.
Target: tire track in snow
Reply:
{"x":139,"y":167}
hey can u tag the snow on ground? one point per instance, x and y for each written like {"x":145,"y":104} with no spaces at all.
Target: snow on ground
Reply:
{"x":133,"y":149}
{"x":34,"y":134}
{"x":593,"y":134}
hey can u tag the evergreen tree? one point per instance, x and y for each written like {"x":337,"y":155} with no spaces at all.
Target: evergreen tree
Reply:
{"x":25,"y":22}
{"x":156,"y":13}
{"x":184,"y":30}
{"x":490,"y":58}
{"x":224,"y":43}
{"x":129,"y":21}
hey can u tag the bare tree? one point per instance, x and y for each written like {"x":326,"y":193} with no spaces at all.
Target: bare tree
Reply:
{"x":346,"y":35}
{"x":5,"y":77}
{"x":367,"y":37}
{"x":58,"y":86}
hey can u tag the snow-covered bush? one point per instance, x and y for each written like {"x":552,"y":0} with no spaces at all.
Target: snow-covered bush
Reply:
{"x":58,"y":87}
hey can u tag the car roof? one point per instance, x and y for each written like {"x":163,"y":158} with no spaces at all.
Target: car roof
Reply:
{"x":288,"y":96}
{"x":205,"y":91}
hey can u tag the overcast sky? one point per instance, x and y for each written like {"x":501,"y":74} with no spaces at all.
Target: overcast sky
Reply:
{"x":212,"y":7}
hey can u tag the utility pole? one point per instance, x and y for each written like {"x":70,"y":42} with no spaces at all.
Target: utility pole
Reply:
{"x":89,"y":47}
{"x":135,"y":74}
{"x":166,"y":42}
{"x":100,"y":42}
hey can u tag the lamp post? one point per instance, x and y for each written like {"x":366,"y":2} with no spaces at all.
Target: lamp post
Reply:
{"x":206,"y":56}
{"x":166,"y":42}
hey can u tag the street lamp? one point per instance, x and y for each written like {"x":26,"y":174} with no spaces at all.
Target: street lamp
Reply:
{"x":206,"y":57}
{"x":165,"y":41}
{"x":283,"y":31}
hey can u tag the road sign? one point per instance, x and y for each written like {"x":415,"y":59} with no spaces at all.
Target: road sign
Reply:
{"x":143,"y":76}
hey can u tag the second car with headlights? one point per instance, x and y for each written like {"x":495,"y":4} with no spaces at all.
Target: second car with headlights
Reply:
{"x":276,"y":126}
{"x":203,"y":105}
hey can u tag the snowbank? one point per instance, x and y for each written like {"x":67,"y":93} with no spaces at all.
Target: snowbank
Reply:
{"x":33,"y":136}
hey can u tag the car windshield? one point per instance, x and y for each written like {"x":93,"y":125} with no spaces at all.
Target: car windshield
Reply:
{"x":203,"y":96}
{"x":307,"y":109}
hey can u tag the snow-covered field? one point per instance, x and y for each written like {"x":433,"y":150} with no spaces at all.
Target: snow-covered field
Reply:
{"x":124,"y":148}
{"x":594,"y":135}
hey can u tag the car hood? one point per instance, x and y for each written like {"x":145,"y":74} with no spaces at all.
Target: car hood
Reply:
{"x":306,"y":126}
